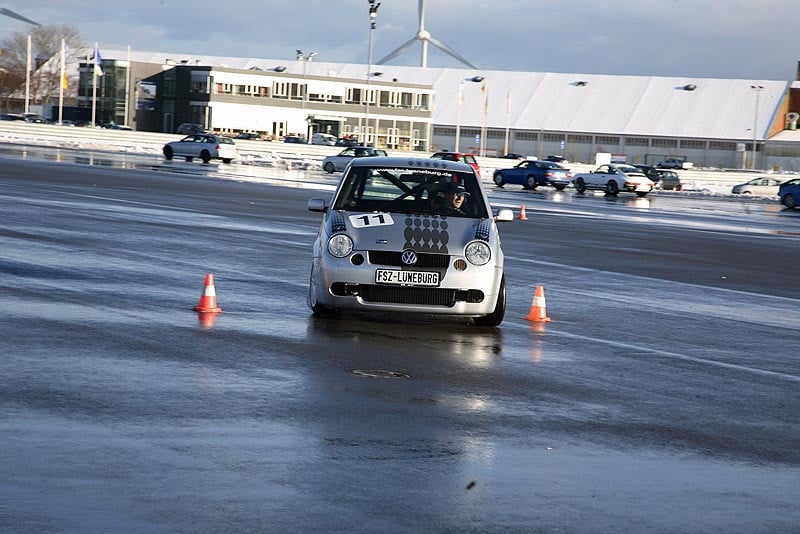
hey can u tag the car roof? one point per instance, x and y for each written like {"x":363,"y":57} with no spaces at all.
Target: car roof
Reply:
{"x":412,"y":162}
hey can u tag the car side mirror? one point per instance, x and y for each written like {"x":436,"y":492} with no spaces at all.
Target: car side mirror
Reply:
{"x":504,"y":215}
{"x":317,"y":204}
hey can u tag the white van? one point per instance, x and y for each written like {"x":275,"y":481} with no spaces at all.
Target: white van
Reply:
{"x":320,"y":138}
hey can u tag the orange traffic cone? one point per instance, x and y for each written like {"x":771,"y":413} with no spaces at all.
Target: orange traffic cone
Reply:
{"x":522,"y":216}
{"x":538,"y":311}
{"x":208,"y":299}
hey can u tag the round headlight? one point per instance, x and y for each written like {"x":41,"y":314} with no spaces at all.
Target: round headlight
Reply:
{"x":340,"y":245}
{"x":478,"y":253}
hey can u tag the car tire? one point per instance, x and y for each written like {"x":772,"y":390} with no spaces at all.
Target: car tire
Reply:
{"x":205,"y":155}
{"x":496,"y":317}
{"x":641,"y":194}
{"x":559,"y":187}
{"x":226,"y":160}
{"x":580,"y":186}
{"x":789,"y":201}
{"x":168,"y":153}
{"x":317,"y":309}
{"x":498,"y":180}
{"x":329,"y":167}
{"x":188,"y":158}
{"x":530,"y":182}
{"x":612,"y":188}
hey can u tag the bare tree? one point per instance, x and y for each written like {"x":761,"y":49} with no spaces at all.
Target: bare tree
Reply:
{"x":45,"y":64}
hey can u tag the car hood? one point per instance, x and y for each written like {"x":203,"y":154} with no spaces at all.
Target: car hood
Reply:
{"x":419,"y":232}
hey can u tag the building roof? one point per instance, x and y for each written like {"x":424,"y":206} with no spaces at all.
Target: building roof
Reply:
{"x":649,"y":106}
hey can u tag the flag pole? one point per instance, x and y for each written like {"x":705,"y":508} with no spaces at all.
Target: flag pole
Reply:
{"x":63,"y":82}
{"x":127,"y":85}
{"x":28,"y":77}
{"x":94,"y":85}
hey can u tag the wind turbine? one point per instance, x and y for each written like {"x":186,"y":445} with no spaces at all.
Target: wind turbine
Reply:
{"x":425,"y":36}
{"x":14,"y":15}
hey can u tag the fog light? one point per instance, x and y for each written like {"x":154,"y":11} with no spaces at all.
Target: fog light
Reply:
{"x":460,"y":265}
{"x":357,"y":259}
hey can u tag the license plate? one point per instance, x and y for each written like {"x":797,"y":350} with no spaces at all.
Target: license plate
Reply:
{"x":406,"y":278}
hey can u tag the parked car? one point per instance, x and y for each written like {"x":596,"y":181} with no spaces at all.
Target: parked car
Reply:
{"x":190,"y":128}
{"x":36,"y":118}
{"x":613,"y":179}
{"x":513,"y":155}
{"x":338,"y":162}
{"x":664,"y":179}
{"x":385,"y":243}
{"x":469,"y":159}
{"x":346,"y":141}
{"x":557,"y":159}
{"x":295,"y":139}
{"x":789,"y":193}
{"x":248,"y":136}
{"x":675,"y":163}
{"x":763,"y":186}
{"x":320,"y":138}
{"x":203,"y":146}
{"x":11,"y":117}
{"x":532,"y":173}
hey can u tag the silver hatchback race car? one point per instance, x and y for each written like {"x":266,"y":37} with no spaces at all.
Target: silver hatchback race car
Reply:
{"x":409,"y":235}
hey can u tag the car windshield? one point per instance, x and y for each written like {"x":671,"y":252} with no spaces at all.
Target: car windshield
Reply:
{"x":409,"y":190}
{"x":628,"y":168}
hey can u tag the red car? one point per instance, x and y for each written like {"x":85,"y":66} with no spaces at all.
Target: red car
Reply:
{"x":469,"y":159}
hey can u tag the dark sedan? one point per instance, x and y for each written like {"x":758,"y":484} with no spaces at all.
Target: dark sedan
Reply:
{"x":532,"y":173}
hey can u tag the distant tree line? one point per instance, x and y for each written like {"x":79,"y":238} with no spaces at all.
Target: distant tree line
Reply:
{"x":45,"y":78}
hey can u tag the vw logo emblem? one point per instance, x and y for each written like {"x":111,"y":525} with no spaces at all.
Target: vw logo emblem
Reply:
{"x":409,"y":257}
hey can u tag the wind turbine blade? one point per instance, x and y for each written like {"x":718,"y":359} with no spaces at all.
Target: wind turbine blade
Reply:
{"x":421,"y":10}
{"x":397,"y":51}
{"x":13,"y":15}
{"x":447,"y":50}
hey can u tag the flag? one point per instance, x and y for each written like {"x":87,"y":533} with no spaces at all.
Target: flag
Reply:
{"x":64,"y":79}
{"x":98,"y":63}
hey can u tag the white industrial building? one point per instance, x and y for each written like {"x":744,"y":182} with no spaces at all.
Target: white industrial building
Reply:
{"x":710,"y":121}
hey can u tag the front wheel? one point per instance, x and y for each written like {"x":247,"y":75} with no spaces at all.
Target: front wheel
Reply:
{"x":530,"y":182}
{"x":580,"y":185}
{"x":612,"y":188}
{"x":559,"y":187}
{"x":641,"y":194}
{"x":496,"y":317}
{"x":329,"y":168}
{"x":226,"y":160}
{"x":168,"y":153}
{"x":789,"y":201}
{"x":498,"y":180}
{"x":205,"y":155}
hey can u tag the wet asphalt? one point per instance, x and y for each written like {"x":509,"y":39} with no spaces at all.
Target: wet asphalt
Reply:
{"x":662,"y":396}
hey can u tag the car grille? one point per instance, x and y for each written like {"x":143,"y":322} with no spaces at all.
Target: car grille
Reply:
{"x":422,"y":296}
{"x":424,"y":260}
{"x":425,"y":296}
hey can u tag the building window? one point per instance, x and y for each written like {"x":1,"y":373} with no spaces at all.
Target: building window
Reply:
{"x":553,"y":138}
{"x":582,"y":139}
{"x":607,"y":140}
{"x":665,"y":143}
{"x":692,"y":143}
{"x":526,"y":136}
{"x":637,"y":141}
{"x":721,"y":145}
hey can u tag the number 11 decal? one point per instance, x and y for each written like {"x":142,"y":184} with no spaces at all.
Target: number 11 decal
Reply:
{"x":371,"y":219}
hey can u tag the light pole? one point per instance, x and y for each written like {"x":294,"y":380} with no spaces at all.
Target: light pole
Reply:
{"x":485,"y":91}
{"x":475,"y":79}
{"x":305,"y":58}
{"x":757,"y":89}
{"x":373,"y":23}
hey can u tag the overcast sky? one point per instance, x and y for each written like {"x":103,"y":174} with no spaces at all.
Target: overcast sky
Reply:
{"x":747,"y":39}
